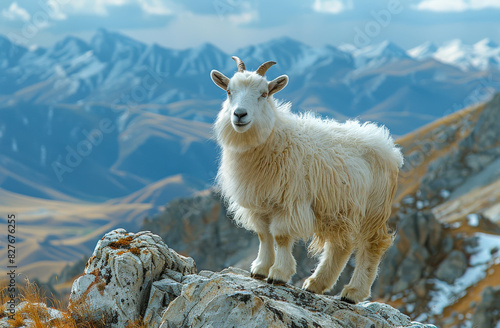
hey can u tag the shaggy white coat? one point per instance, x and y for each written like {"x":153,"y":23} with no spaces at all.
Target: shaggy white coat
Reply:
{"x":298,"y":176}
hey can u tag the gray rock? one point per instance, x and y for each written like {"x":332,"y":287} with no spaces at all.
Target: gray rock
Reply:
{"x":487,"y":312}
{"x":233,"y":299}
{"x":162,"y":293}
{"x":410,"y":271}
{"x":122,"y":284}
{"x":447,"y":244}
{"x":435,"y":235}
{"x":452,"y":267}
{"x":119,"y":275}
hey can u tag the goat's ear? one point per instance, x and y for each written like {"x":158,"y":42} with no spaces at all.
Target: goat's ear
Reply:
{"x":277,"y":84}
{"x":220,"y":79}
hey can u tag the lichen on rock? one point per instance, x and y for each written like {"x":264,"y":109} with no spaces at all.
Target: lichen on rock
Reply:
{"x":118,"y":277}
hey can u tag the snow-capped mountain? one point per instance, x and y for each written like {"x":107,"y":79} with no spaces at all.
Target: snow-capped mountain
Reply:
{"x":424,"y":51}
{"x":482,"y":55}
{"x":161,"y":102}
{"x":373,"y":56}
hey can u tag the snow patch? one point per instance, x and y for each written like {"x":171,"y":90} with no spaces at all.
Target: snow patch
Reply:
{"x":473,"y":220}
{"x":444,"y":193}
{"x":483,"y":256}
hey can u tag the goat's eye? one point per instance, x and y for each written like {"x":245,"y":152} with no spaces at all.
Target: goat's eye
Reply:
{"x":264,"y":94}
{"x":228,"y":92}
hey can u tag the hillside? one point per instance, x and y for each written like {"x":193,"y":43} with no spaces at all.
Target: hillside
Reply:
{"x":54,"y":233}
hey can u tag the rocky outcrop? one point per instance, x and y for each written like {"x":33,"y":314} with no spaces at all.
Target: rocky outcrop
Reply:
{"x":118,"y":277}
{"x":231,"y":298}
{"x":136,"y":277}
{"x":180,"y":298}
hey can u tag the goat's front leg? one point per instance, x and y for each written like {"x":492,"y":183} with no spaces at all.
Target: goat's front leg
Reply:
{"x":265,"y":258}
{"x":284,"y":265}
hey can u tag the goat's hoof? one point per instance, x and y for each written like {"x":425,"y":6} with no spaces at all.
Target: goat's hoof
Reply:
{"x":347,"y":300}
{"x":276,"y":282}
{"x":258,"y":276}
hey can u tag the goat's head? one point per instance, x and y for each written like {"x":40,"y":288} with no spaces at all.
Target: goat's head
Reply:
{"x":249,"y":104}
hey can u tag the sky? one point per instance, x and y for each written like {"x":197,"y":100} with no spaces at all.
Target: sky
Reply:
{"x":231,"y":24}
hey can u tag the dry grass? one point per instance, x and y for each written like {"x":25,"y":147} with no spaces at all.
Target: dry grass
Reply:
{"x":38,"y":315}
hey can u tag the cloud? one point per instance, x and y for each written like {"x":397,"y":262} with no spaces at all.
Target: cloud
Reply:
{"x":243,"y":18}
{"x":14,"y":12}
{"x":332,"y":6}
{"x":155,"y":7}
{"x":101,"y":7}
{"x":456,"y":5}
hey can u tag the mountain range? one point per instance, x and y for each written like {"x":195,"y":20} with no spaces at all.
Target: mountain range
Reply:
{"x":103,"y":133}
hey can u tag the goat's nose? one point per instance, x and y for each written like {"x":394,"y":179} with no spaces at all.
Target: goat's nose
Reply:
{"x":240,"y":113}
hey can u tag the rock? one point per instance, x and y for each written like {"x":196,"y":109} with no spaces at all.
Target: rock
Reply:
{"x":119,"y":275}
{"x":435,"y":234}
{"x":420,"y":289}
{"x":446,"y":244}
{"x":452,"y":267}
{"x":232,"y":299}
{"x":408,"y":273}
{"x":162,"y":293}
{"x":487,"y":312}
{"x":162,"y":287}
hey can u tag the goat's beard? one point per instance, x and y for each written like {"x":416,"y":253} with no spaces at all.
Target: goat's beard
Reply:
{"x":257,"y":134}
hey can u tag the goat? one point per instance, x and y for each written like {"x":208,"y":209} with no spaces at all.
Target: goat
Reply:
{"x":288,"y":176}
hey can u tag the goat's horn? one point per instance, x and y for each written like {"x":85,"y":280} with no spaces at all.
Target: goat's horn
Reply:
{"x":241,"y":65}
{"x":264,"y":67}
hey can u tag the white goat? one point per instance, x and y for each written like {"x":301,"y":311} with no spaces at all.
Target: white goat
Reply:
{"x":287,"y":177}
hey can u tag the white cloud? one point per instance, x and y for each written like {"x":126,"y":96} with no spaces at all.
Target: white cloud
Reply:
{"x":155,"y":7}
{"x":243,"y":18}
{"x":56,"y":12}
{"x":456,"y":5}
{"x":14,"y":12}
{"x":332,"y":6}
{"x":100,"y":7}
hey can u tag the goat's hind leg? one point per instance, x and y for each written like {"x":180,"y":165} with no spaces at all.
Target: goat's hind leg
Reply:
{"x":332,"y":262}
{"x":368,"y":258}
